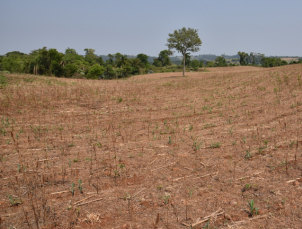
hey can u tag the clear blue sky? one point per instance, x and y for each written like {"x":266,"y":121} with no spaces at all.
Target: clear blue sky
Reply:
{"x":271,"y":27}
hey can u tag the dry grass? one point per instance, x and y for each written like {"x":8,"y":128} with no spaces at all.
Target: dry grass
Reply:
{"x":290,"y":59}
{"x":153,"y":151}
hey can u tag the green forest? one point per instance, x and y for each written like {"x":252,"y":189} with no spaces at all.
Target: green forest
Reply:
{"x":51,"y":62}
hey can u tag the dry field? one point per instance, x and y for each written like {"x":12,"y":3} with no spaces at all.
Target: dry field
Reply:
{"x":290,"y":59}
{"x":216,"y":149}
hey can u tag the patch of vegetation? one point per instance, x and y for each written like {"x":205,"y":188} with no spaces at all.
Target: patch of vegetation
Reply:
{"x":3,"y":81}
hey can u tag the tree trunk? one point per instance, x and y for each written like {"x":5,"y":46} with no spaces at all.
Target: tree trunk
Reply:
{"x":184,"y":67}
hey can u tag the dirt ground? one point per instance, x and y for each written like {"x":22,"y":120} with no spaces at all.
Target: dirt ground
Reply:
{"x":219,"y":148}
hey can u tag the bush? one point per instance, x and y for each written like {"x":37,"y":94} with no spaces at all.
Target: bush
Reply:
{"x":109,"y":72}
{"x":195,"y":64}
{"x":272,"y":62}
{"x":57,"y":69}
{"x":70,"y":70}
{"x":5,"y":72}
{"x":210,"y":64}
{"x":95,"y":71}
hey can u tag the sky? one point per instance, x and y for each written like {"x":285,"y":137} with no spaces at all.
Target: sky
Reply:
{"x":270,"y":27}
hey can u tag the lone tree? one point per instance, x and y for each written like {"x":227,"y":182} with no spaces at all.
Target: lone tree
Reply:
{"x":184,"y":41}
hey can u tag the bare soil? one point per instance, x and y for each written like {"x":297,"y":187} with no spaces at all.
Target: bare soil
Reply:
{"x":153,"y":151}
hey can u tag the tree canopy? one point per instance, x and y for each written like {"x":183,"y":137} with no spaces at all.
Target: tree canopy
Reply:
{"x":163,"y":58}
{"x":184,"y":40}
{"x":143,"y":59}
{"x":243,"y":58}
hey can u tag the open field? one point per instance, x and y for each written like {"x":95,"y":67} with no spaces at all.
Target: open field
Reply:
{"x":290,"y":59}
{"x":153,"y":151}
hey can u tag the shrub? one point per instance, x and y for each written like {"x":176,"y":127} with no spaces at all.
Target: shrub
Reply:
{"x":95,"y":71}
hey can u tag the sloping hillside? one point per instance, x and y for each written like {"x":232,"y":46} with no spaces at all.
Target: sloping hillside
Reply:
{"x":153,"y":151}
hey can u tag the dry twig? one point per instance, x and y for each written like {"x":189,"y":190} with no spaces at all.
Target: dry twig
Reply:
{"x":88,"y":202}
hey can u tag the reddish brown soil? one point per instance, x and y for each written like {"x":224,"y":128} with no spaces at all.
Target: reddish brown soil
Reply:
{"x":153,"y":151}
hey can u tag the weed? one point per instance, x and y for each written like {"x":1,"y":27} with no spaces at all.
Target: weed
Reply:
{"x":197,"y":145}
{"x":215,"y":145}
{"x":29,"y":80}
{"x":248,"y":154}
{"x":207,"y":226}
{"x":286,"y":79}
{"x":80,"y":187}
{"x":98,"y":144}
{"x":261,"y":88}
{"x":209,"y":109}
{"x":121,"y":166}
{"x":127,"y":196}
{"x":253,"y":209}
{"x":191,"y":192}
{"x":260,"y":149}
{"x":265,"y":143}
{"x":209,"y":125}
{"x":166,"y":198}
{"x":2,"y":159}
{"x":14,"y":201}
{"x":3,"y":132}
{"x":71,"y":145}
{"x":19,"y":168}
{"x":116,"y":173}
{"x":292,"y":143}
{"x":72,"y":188}
{"x":247,"y":186}
{"x":231,"y":130}
{"x":283,"y":200}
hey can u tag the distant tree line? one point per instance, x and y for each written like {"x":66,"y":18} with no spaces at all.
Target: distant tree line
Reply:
{"x":165,"y":60}
{"x":252,"y":59}
{"x":260,"y":59}
{"x":50,"y":62}
{"x":71,"y":64}
{"x":219,"y":61}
